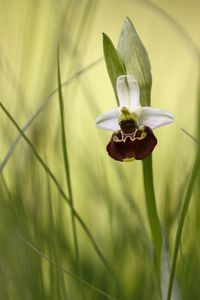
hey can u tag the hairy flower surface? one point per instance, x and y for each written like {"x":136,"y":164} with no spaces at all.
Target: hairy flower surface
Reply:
{"x":131,"y":123}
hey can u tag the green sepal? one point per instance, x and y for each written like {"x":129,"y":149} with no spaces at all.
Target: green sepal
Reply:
{"x":114,"y":65}
{"x":135,"y":59}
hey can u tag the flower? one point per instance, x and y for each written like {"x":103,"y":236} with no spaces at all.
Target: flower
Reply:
{"x":131,"y":123}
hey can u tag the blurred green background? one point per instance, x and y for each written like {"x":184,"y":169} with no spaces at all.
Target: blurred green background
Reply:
{"x":108,"y":195}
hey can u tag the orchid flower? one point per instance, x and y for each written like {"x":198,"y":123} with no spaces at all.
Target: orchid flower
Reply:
{"x":131,"y":123}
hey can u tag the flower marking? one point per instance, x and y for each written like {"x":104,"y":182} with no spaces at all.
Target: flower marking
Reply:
{"x":131,"y":123}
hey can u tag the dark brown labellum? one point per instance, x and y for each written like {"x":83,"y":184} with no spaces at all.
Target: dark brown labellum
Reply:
{"x":137,"y":144}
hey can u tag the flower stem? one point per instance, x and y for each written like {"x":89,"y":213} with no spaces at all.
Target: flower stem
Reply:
{"x":152,"y":213}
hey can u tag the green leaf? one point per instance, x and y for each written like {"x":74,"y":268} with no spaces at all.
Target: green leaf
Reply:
{"x":135,"y":59}
{"x":113,"y":63}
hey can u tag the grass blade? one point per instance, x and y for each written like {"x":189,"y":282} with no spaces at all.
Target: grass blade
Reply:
{"x":67,"y":169}
{"x":184,"y":210}
{"x":41,"y":108}
{"x":53,"y":178}
{"x":64,"y":270}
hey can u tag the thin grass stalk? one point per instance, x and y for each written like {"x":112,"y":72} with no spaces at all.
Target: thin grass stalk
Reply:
{"x":67,"y":170}
{"x":181,"y":222}
{"x":54,"y":179}
{"x":152,"y":214}
{"x":187,"y":197}
{"x":64,"y":270}
{"x":88,"y":16}
{"x":41,"y":108}
{"x":54,"y":252}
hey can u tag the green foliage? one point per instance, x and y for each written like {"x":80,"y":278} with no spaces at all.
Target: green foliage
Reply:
{"x":116,"y":249}
{"x":114,"y":65}
{"x":135,"y":59}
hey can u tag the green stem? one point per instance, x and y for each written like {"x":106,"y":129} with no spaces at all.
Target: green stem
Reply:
{"x":66,"y":164}
{"x":181,"y":222}
{"x":152,"y":212}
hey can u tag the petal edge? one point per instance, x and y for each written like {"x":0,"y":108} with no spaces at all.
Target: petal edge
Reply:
{"x":109,"y":120}
{"x":154,"y":117}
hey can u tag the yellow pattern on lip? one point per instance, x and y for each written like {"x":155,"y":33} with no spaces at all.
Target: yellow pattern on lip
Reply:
{"x":131,"y":136}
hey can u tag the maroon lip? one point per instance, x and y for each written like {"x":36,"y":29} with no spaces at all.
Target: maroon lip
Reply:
{"x":136,"y":144}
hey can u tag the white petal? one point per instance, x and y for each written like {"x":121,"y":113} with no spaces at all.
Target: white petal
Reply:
{"x":154,"y":117}
{"x":128,"y":93}
{"x":109,"y":120}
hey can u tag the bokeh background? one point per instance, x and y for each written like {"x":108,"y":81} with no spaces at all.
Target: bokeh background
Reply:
{"x":108,"y":195}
